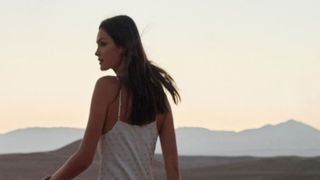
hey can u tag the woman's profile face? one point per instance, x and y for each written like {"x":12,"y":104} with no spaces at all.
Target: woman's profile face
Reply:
{"x":109,"y":54}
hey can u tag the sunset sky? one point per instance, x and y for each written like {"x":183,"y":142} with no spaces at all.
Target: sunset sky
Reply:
{"x":238,"y":64}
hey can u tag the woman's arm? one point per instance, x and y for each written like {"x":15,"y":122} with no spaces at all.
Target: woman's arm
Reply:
{"x":169,"y":147}
{"x":83,"y":157}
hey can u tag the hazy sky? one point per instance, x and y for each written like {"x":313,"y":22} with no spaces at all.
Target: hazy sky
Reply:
{"x":238,"y":63}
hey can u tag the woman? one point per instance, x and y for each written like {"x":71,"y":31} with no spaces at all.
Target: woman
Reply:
{"x":127,"y":112}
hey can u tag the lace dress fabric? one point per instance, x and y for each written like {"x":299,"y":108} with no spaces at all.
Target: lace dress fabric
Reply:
{"x":127,"y":151}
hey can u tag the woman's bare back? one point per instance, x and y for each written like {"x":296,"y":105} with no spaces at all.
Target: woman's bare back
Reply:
{"x":111,"y":112}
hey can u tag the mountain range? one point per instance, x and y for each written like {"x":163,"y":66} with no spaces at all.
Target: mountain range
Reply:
{"x":30,"y":166}
{"x":284,"y":139}
{"x":37,"y":139}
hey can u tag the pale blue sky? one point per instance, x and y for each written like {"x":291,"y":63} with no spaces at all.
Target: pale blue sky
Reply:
{"x":239,"y":64}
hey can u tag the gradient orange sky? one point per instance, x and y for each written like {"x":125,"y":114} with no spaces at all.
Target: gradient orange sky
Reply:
{"x":238,"y":63}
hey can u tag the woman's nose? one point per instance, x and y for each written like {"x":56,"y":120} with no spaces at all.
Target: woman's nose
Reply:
{"x":96,"y":53}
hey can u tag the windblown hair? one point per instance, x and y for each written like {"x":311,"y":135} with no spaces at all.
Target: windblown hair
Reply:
{"x":144,"y":80}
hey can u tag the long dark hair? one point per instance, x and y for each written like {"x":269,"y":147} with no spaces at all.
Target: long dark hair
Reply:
{"x":144,"y":79}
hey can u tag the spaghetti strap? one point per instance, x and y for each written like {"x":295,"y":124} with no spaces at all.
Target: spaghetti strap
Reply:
{"x":119,"y":108}
{"x":127,"y":150}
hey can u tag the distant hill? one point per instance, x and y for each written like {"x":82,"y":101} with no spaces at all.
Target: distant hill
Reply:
{"x":288,"y":138}
{"x":284,"y":139}
{"x":37,"y":139}
{"x":37,"y":165}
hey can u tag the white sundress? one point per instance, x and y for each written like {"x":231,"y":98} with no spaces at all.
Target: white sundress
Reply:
{"x":127,"y":151}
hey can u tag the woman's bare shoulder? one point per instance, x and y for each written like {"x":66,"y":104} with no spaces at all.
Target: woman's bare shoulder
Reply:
{"x":108,"y":86}
{"x":109,"y":82}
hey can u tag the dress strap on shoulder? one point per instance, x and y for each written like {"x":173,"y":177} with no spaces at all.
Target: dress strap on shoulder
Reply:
{"x":119,"y":108}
